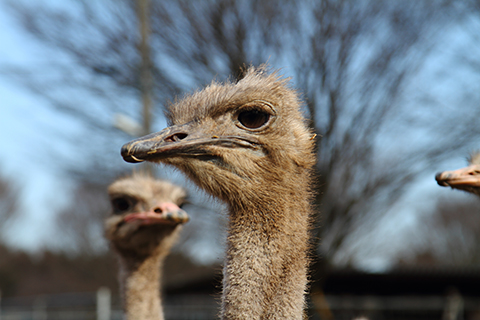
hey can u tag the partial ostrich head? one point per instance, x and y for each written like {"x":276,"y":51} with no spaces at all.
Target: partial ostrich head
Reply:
{"x":466,"y":179}
{"x":143,"y":212}
{"x":142,"y":227}
{"x":234,"y":139}
{"x":248,"y":144}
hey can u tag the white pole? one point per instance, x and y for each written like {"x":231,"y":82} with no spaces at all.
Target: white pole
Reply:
{"x":40,"y":308}
{"x":103,"y":304}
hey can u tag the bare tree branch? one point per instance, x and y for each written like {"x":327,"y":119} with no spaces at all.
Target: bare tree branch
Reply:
{"x":354,"y":62}
{"x":9,"y":203}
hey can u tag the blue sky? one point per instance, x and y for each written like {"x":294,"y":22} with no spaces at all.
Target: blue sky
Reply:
{"x":32,"y":133}
{"x":28,"y":135}
{"x":24,"y":119}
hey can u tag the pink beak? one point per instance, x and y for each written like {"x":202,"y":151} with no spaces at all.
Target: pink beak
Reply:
{"x":464,"y":177}
{"x":163,"y":213}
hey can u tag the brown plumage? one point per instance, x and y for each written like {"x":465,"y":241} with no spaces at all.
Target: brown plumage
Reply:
{"x":467,"y":178}
{"x":142,"y":227}
{"x":248,"y":144}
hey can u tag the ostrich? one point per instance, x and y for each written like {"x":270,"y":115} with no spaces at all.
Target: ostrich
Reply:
{"x":248,"y":144}
{"x":142,"y":227}
{"x":467,"y":179}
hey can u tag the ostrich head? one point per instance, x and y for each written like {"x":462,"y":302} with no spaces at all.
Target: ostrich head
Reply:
{"x":467,"y":179}
{"x":144,"y":212}
{"x":241,"y":142}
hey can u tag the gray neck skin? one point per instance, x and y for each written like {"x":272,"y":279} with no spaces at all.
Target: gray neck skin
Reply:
{"x":140,"y":286}
{"x":265,"y":274}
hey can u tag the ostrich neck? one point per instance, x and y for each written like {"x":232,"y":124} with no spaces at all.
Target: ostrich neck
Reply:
{"x":265,"y":273}
{"x":140,"y":285}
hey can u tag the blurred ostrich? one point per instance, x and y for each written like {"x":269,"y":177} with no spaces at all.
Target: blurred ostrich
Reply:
{"x":467,"y":179}
{"x":248,"y":144}
{"x":142,"y":226}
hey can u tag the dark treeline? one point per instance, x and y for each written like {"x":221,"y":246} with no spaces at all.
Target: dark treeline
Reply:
{"x":50,"y":272}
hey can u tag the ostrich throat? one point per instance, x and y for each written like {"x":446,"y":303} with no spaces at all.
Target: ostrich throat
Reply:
{"x":140,"y":280}
{"x":265,"y":272}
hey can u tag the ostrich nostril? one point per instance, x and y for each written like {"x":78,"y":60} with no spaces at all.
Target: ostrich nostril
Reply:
{"x":157,"y":210}
{"x":176,"y":137}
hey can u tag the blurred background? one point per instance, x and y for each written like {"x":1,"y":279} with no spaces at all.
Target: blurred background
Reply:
{"x":392,"y":89}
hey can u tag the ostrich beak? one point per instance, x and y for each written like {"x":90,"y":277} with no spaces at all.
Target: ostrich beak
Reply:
{"x":163,"y":143}
{"x":168,"y":213}
{"x":464,"y":177}
{"x":187,"y":140}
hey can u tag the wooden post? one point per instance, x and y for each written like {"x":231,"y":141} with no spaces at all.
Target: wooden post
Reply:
{"x":146,"y":76}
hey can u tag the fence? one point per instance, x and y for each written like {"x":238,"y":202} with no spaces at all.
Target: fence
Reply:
{"x":101,"y":305}
{"x":452,"y":307}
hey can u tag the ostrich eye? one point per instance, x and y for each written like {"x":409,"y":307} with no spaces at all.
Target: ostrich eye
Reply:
{"x":121,"y":204}
{"x":253,"y":119}
{"x":182,"y":202}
